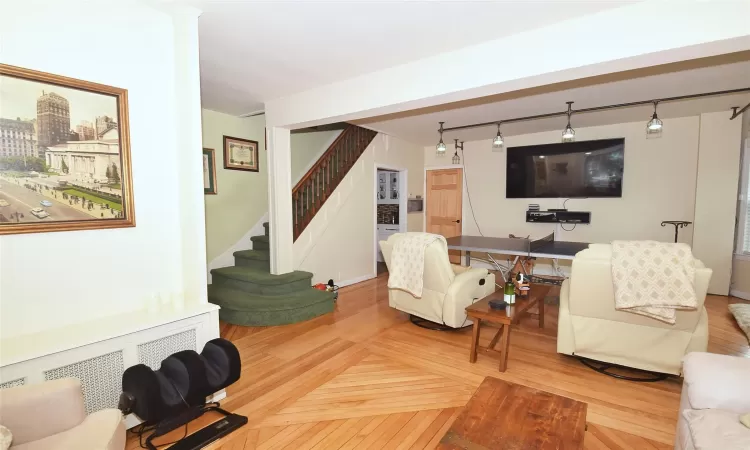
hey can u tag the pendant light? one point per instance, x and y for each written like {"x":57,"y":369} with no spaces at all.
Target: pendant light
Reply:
{"x":569,"y":134}
{"x":440,"y":148}
{"x":498,"y":143}
{"x":456,"y":158}
{"x":655,"y":125}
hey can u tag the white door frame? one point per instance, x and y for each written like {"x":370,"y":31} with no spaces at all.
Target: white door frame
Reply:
{"x":403,"y":174}
{"x":424,"y":189}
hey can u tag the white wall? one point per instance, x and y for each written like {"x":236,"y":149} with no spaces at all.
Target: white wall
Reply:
{"x":52,"y":280}
{"x":660,"y":182}
{"x":339,"y":243}
{"x":716,"y":196}
{"x":655,"y":170}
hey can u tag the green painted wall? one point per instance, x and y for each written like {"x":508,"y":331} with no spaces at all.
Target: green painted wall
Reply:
{"x":242,"y":197}
{"x":307,"y":147}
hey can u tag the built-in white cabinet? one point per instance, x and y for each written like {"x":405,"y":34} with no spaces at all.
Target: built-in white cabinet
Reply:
{"x":389,"y":189}
{"x":384,"y":232}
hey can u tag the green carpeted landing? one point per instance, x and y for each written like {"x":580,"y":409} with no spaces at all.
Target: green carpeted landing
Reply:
{"x":249,"y":295}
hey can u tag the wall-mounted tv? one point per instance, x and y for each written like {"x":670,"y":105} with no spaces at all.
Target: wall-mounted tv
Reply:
{"x":571,"y":169}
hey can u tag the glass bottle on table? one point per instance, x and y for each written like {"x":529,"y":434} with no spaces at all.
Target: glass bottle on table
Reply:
{"x":509,"y":292}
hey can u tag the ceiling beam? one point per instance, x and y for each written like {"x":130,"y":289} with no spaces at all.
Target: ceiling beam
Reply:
{"x":606,"y":42}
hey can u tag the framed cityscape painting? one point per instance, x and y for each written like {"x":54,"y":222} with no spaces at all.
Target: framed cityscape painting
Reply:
{"x":209,"y":171}
{"x":240,"y":154}
{"x":64,"y":154}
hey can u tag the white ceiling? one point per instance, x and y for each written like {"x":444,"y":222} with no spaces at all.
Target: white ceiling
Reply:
{"x":420,"y":127}
{"x":254,"y":51}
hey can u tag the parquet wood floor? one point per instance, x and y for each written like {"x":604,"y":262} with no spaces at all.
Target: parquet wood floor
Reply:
{"x":364,"y":377}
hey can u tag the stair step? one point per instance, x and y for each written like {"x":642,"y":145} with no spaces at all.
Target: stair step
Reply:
{"x":259,"y":259}
{"x":265,"y":225}
{"x":259,"y":281}
{"x":242,"y":308}
{"x":260,"y":242}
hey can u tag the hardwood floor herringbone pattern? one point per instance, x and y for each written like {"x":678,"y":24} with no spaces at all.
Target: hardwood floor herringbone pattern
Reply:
{"x":374,"y":386}
{"x":364,"y":377}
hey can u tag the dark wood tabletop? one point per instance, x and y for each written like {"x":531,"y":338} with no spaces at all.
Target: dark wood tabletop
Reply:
{"x":504,"y":416}
{"x":512,"y":313}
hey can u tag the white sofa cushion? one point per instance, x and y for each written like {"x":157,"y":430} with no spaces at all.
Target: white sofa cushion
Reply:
{"x":717,"y":429}
{"x":717,"y":381}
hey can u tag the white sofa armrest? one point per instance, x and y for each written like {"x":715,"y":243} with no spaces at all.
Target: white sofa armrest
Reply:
{"x":717,"y":381}
{"x":462,"y":292}
{"x":36,"y":411}
{"x":457,"y":269}
{"x":466,"y":283}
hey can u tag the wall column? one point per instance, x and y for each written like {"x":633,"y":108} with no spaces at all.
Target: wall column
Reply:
{"x":280,"y":200}
{"x":714,"y":225}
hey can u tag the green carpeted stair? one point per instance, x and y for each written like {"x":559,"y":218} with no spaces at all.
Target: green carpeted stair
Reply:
{"x":249,"y":295}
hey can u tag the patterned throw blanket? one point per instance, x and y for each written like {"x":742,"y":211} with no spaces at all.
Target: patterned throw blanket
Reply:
{"x":407,"y":262}
{"x":653,"y":279}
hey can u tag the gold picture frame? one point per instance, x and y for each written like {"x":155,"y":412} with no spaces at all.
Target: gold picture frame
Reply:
{"x":55,"y":174}
{"x":241,"y":154}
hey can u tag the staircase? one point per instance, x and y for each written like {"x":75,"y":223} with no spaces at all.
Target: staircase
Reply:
{"x":249,"y":295}
{"x":313,"y":189}
{"x":247,"y":292}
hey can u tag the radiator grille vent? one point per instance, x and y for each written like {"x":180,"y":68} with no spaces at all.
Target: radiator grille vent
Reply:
{"x":101,"y":379}
{"x":154,"y":352}
{"x":13,"y":383}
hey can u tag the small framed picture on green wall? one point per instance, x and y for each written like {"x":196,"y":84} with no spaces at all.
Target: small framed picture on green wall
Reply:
{"x":209,"y":171}
{"x":240,"y":154}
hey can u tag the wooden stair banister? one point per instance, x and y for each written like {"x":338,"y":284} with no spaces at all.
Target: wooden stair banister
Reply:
{"x":314,"y":188}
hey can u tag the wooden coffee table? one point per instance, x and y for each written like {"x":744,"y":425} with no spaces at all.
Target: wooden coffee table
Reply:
{"x":504,"y":416}
{"x":503,"y":319}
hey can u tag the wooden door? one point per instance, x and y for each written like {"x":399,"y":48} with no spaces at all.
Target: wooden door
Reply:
{"x":443,"y":210}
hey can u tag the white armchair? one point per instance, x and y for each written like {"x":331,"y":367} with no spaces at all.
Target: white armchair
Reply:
{"x":591,"y":327}
{"x":448,"y":288}
{"x":52,"y":415}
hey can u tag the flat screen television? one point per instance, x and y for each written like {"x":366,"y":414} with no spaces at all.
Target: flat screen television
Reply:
{"x":566,"y":170}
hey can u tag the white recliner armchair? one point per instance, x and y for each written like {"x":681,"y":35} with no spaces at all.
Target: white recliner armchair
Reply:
{"x":52,"y":416}
{"x":448,"y":288}
{"x":591,"y":327}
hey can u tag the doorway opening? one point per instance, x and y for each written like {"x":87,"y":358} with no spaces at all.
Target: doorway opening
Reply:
{"x":390,"y":208}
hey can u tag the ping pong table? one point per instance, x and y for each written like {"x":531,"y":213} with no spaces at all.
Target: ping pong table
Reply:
{"x":546,"y":247}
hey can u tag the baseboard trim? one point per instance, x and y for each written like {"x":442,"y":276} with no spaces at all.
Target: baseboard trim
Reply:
{"x":740,"y":294}
{"x":356,"y":280}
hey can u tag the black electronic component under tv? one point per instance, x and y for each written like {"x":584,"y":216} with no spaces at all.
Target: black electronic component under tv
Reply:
{"x":566,"y":170}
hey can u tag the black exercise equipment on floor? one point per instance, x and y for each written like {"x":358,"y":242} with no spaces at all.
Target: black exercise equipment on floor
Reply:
{"x":174,"y":395}
{"x":606,"y":369}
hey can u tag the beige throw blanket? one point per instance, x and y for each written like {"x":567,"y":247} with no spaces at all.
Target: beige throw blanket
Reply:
{"x":653,"y":279}
{"x":407,"y":262}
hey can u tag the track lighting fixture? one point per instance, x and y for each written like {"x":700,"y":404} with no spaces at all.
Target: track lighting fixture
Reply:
{"x":441,"y":145}
{"x":569,"y":134}
{"x":456,"y":158}
{"x":498,"y":143}
{"x":655,"y":125}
